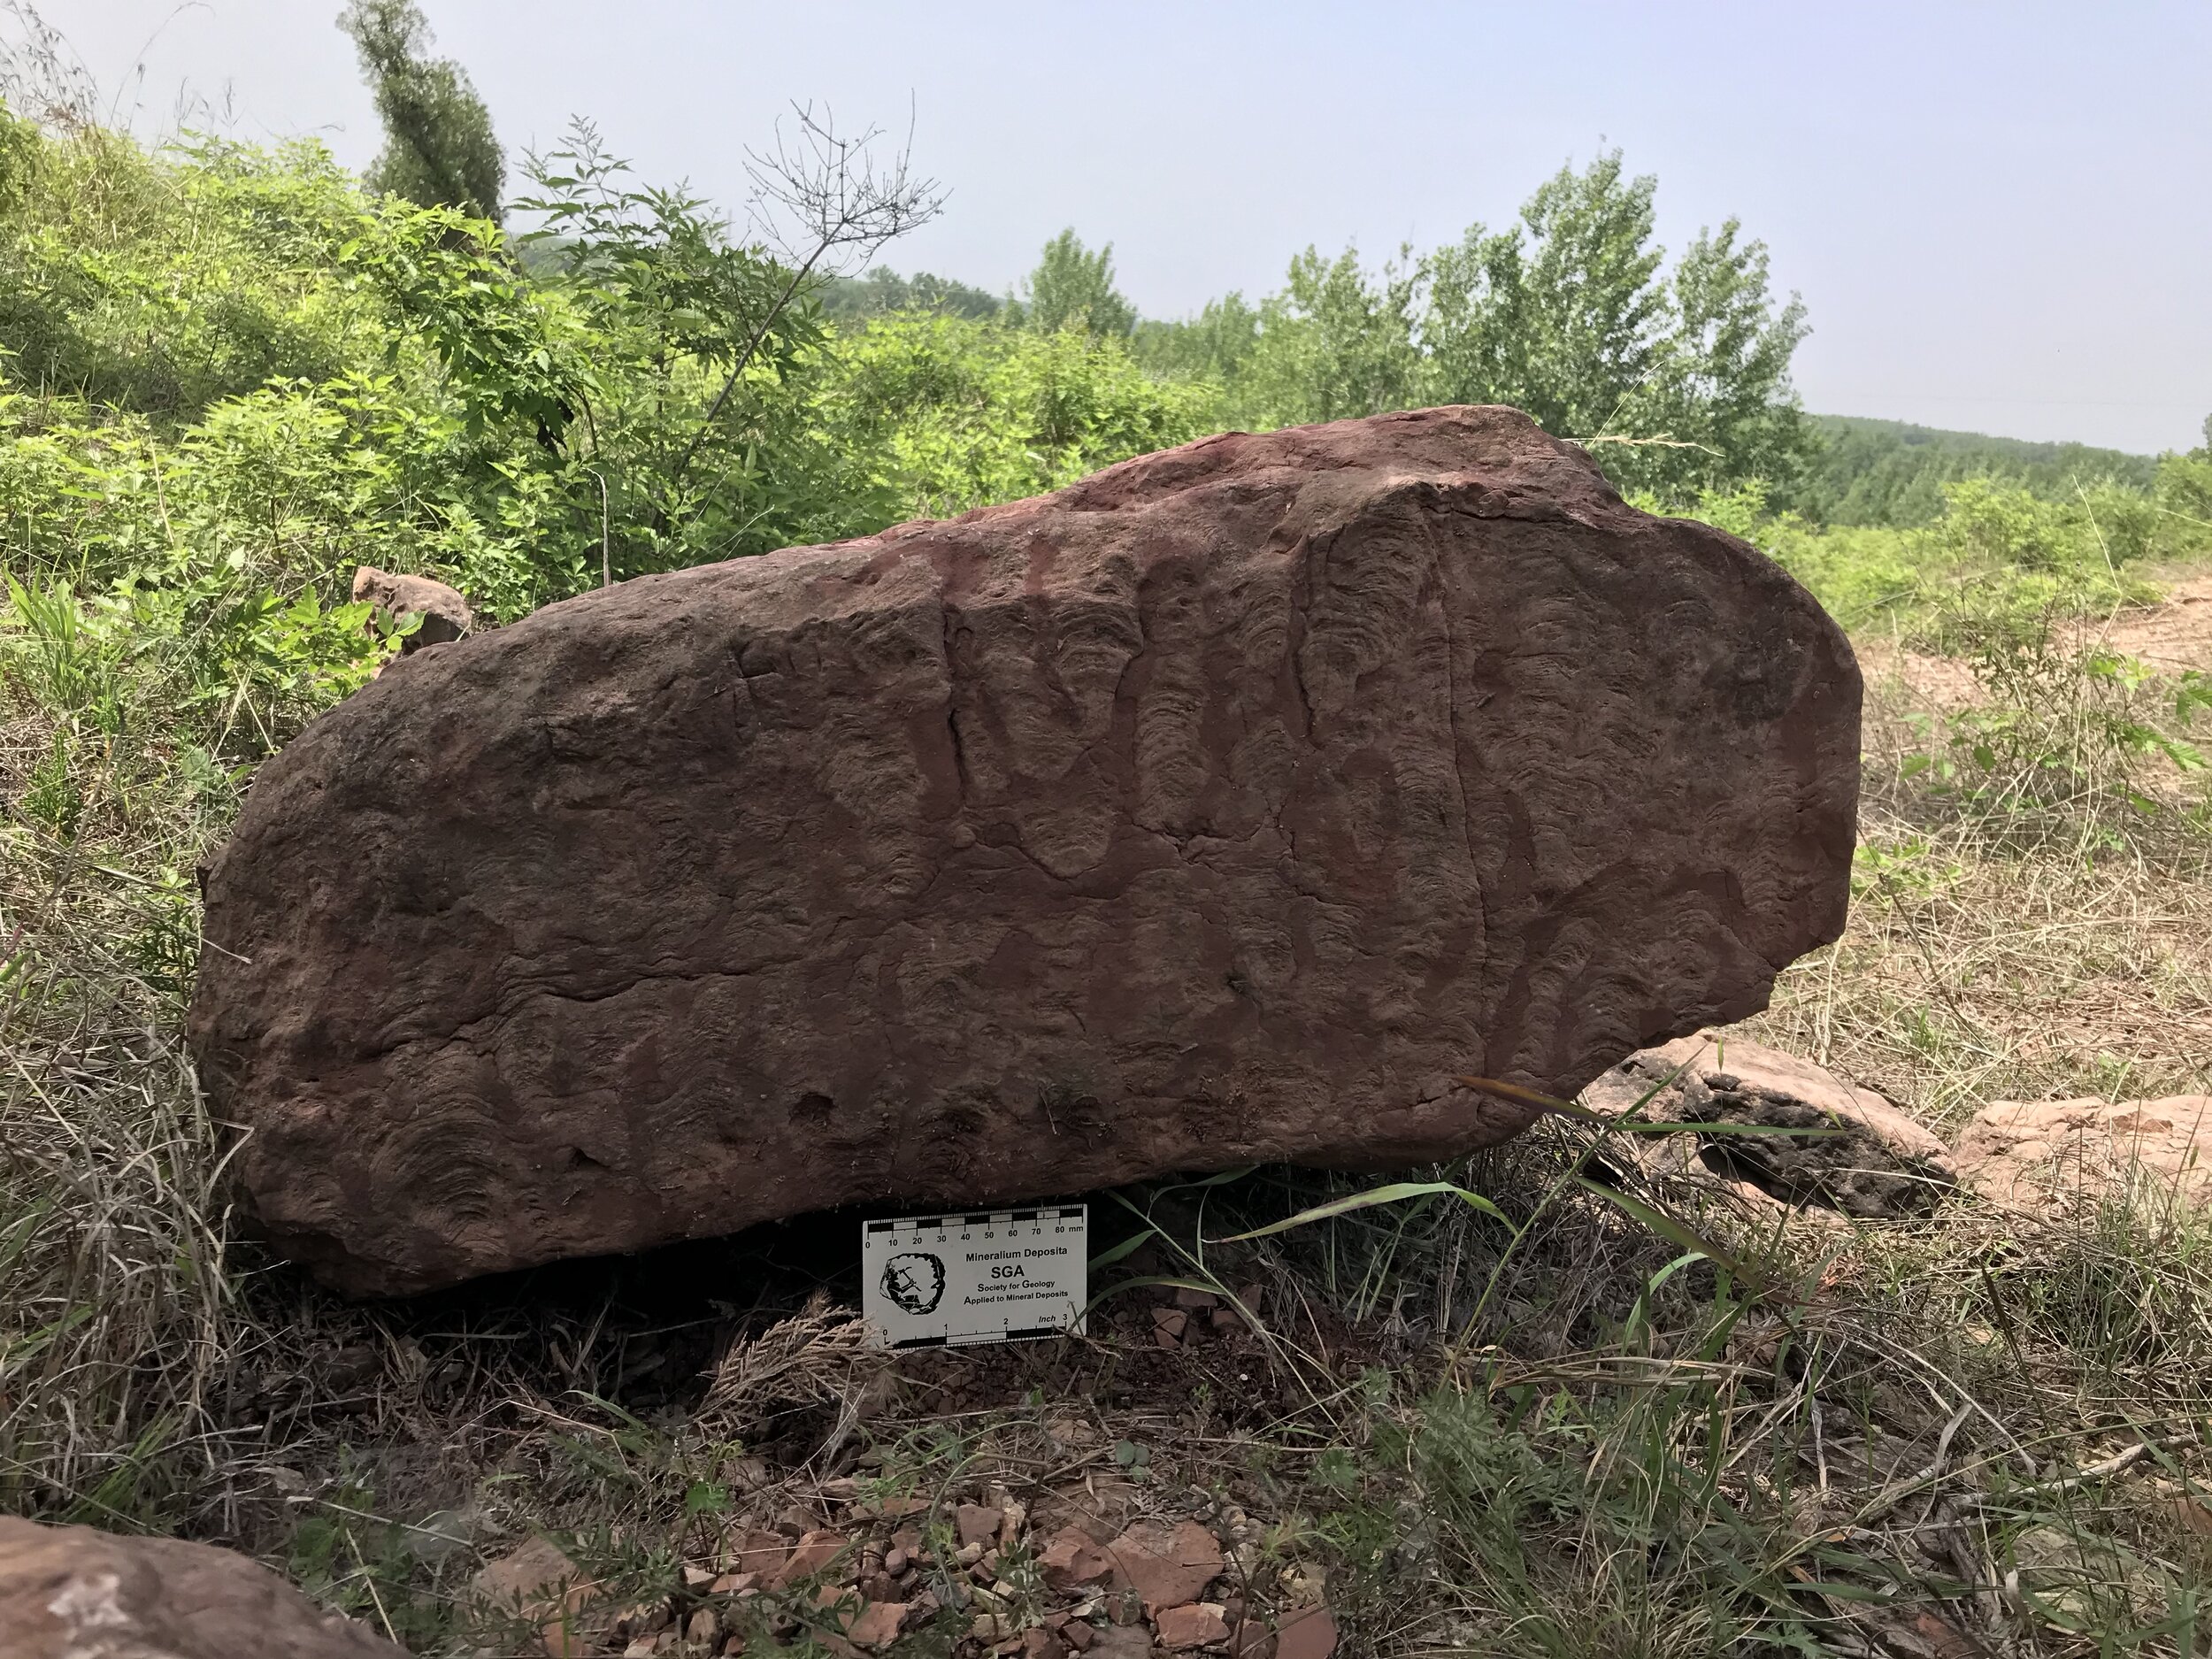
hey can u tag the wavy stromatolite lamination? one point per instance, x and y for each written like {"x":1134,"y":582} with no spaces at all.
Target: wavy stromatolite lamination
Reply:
{"x":1219,"y":808}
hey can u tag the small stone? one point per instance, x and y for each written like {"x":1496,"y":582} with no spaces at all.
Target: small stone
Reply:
{"x":1042,"y":1644}
{"x":1167,"y":1565}
{"x":444,"y":613}
{"x":1078,"y":1635}
{"x":816,"y":1551}
{"x":701,"y":1627}
{"x":1072,"y":1561}
{"x":1167,"y":1326}
{"x":1309,"y":1634}
{"x":697,"y":1577}
{"x":529,"y":1580}
{"x":1195,"y":1625}
{"x":985,"y":1627}
{"x":977,"y":1523}
{"x":969,"y":1555}
{"x":754,"y":1551}
{"x":1225,"y":1319}
{"x":735,"y":1584}
{"x":894,"y":1561}
{"x":877,"y":1624}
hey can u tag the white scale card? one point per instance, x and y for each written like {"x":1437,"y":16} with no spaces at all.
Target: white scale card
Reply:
{"x":975,"y":1278}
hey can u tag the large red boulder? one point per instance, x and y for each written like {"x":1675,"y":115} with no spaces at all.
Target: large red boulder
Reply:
{"x":69,"y":1593}
{"x":1220,"y":808}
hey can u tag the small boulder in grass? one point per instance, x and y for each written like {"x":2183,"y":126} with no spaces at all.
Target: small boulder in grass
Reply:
{"x":445,"y":615}
{"x":1866,"y":1157}
{"x":2034,"y":1155}
{"x":530,"y":1580}
{"x":72,"y":1592}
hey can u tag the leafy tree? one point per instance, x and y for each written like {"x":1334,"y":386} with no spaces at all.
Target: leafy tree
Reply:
{"x":439,"y":149}
{"x":1216,"y":345}
{"x":1678,"y":379}
{"x":959,"y":413}
{"x":1332,"y":345}
{"x":883,"y":292}
{"x":1684,"y":376}
{"x":1073,"y":288}
{"x":1892,"y":472}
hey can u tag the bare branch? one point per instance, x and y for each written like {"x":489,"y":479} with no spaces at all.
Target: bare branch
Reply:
{"x":823,"y":203}
{"x":41,"y":75}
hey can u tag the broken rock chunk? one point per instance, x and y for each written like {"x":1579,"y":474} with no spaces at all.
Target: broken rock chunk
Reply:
{"x":1863,"y":1155}
{"x":1166,"y":1563}
{"x":1196,"y":1625}
{"x":71,"y":1592}
{"x":2032,"y":1155}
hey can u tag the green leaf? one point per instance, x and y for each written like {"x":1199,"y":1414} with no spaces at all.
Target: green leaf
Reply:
{"x":1667,"y":1227}
{"x":1394,"y":1194}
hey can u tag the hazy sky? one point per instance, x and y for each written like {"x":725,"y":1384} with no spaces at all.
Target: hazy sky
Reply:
{"x":1999,"y":215}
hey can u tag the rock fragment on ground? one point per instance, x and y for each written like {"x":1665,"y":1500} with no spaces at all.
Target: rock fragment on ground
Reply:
{"x":1195,"y":1624}
{"x":2032,"y":1155}
{"x":445,"y":615}
{"x":1309,"y":1634}
{"x":72,"y":1592}
{"x":1865,"y":1156}
{"x":1166,"y":1565}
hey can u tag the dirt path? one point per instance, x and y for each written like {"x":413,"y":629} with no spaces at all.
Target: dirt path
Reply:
{"x":2172,"y":636}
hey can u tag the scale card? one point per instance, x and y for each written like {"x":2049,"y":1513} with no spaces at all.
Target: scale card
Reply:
{"x":978,"y":1277}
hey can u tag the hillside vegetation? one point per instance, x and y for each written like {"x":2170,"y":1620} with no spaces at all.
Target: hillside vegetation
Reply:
{"x":230,"y":375}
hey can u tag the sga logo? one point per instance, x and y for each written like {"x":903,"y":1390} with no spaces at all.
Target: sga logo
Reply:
{"x":915,"y":1282}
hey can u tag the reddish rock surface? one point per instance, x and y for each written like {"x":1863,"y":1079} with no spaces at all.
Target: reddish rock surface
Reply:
{"x":1167,"y":1565}
{"x":445,"y":615}
{"x":1309,"y":1634}
{"x":1196,"y":1626}
{"x":71,"y":1592}
{"x":1871,"y":1159}
{"x":2032,"y":1155}
{"x":1220,"y":808}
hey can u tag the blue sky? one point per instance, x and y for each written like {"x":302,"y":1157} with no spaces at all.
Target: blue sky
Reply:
{"x":1999,"y":215}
